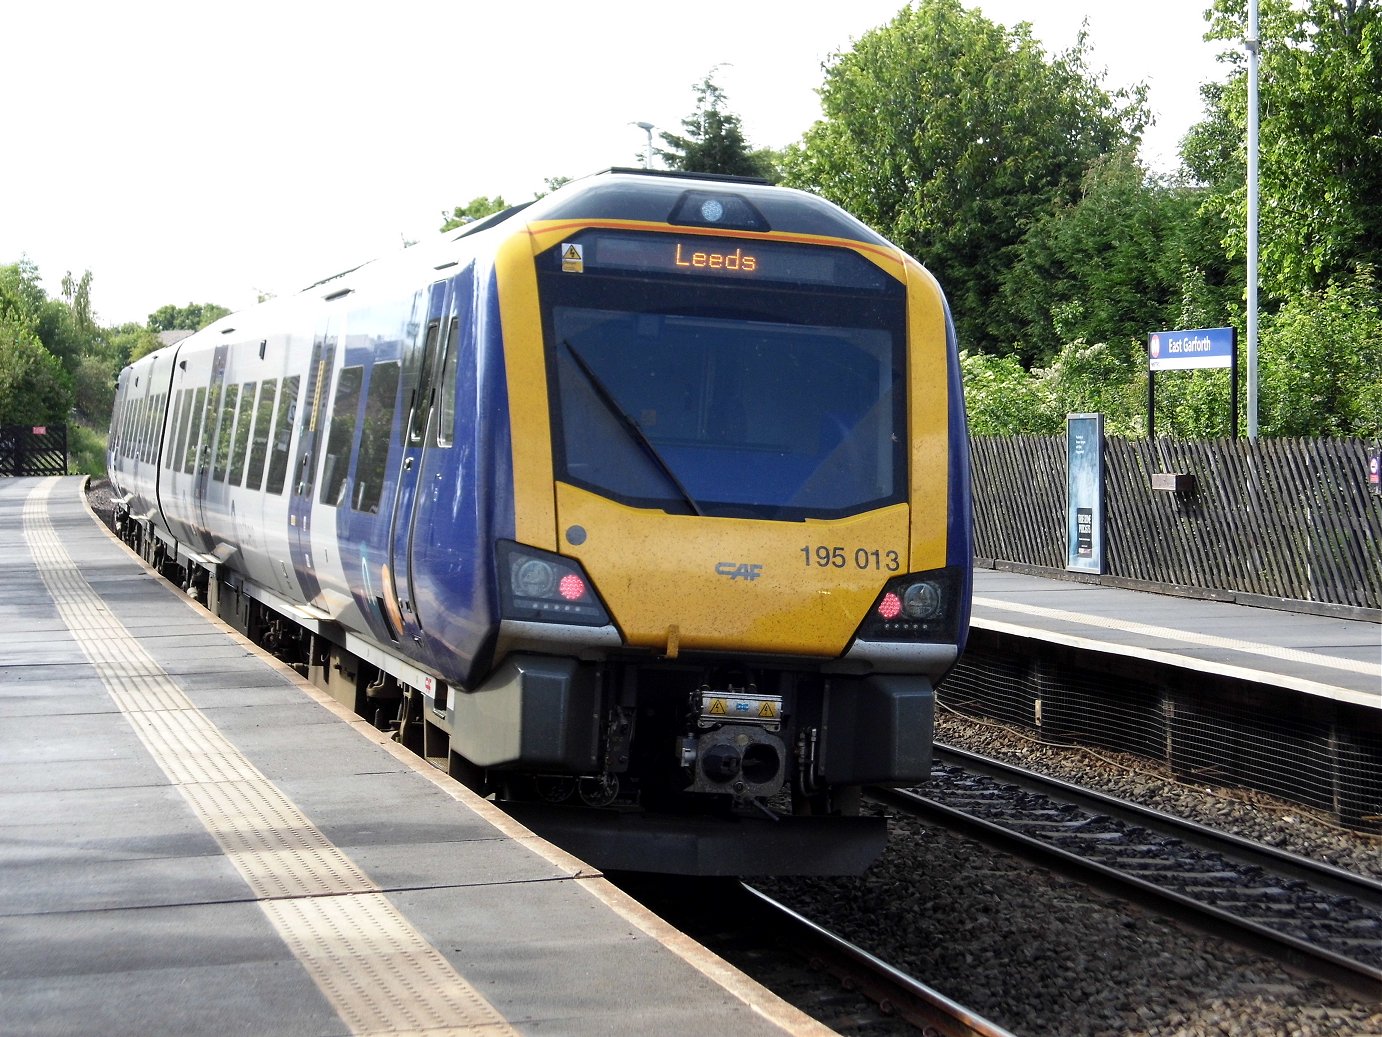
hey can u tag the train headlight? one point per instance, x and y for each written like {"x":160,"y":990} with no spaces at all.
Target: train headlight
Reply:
{"x":533,"y":578}
{"x":923,"y":600}
{"x":538,"y":585}
{"x":918,"y":607}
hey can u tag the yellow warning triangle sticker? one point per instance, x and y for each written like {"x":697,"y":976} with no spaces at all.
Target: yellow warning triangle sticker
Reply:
{"x":718,"y":708}
{"x":766,"y":711}
{"x":572,"y":252}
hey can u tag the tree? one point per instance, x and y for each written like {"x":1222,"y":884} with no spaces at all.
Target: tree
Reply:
{"x":1135,"y":254}
{"x":192,"y":317}
{"x":131,"y":341}
{"x":952,"y":135}
{"x":1320,"y":363}
{"x":476,"y":209}
{"x":1320,"y":140}
{"x":714,"y":139}
{"x":34,"y":388}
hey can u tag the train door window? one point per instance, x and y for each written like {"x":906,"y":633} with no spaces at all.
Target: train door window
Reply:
{"x":381,"y":403}
{"x":141,"y":426}
{"x":283,"y":435}
{"x":174,"y":429}
{"x":422,"y":399}
{"x":240,"y":447}
{"x":210,"y":416}
{"x":446,"y":410}
{"x":224,"y":432}
{"x":156,"y":425}
{"x":193,"y":421}
{"x":339,"y":436}
{"x":263,"y":421}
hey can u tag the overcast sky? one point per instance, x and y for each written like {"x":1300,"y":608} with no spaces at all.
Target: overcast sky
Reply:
{"x":204,"y":152}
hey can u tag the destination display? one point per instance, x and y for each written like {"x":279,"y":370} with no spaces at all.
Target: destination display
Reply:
{"x":694,"y":256}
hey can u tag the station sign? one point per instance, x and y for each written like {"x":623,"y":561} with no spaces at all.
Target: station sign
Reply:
{"x":1187,"y":350}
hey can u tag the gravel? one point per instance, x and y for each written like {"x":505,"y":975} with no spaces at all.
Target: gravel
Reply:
{"x":1041,"y":954}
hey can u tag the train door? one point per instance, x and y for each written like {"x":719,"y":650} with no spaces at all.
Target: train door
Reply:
{"x":211,"y":413}
{"x":311,"y":417}
{"x":419,"y":389}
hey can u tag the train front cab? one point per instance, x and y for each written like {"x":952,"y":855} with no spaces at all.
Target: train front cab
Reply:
{"x":741,"y":549}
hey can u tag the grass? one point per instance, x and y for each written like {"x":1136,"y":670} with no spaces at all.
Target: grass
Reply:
{"x":86,"y":451}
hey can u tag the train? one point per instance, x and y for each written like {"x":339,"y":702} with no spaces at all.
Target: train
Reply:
{"x":642,"y":510}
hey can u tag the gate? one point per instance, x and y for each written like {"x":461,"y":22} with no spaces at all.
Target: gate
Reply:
{"x":33,"y":450}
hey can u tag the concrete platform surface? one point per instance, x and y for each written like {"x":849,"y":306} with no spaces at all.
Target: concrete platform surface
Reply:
{"x":1339,"y":659}
{"x":193,"y":840}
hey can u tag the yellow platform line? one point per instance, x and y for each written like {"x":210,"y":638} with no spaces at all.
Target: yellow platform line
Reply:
{"x":374,"y":967}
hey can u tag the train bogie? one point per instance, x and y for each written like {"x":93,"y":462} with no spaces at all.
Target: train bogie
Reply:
{"x":643,"y":509}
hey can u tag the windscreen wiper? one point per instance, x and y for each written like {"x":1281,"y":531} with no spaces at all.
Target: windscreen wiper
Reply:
{"x":636,"y":430}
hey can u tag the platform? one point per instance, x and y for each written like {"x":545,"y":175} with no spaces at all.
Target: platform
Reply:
{"x":1340,"y":659}
{"x":193,"y":840}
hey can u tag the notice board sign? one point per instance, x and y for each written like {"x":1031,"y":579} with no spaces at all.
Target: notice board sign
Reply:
{"x":1084,"y":460}
{"x":1187,"y":350}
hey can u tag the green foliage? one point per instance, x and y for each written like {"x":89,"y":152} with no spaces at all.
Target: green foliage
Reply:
{"x":34,"y":388}
{"x":192,"y":317}
{"x":1107,"y":378}
{"x":131,"y":341}
{"x":714,"y":139}
{"x":1134,"y":255}
{"x":21,"y":294}
{"x":952,"y":135}
{"x":476,"y":209}
{"x":1320,"y":363}
{"x":1320,"y":140}
{"x":1196,"y":404}
{"x":1002,"y":399}
{"x":93,"y":388}
{"x":86,"y":450}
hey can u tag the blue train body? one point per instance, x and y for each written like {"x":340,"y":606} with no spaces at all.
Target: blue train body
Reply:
{"x":652,"y":498}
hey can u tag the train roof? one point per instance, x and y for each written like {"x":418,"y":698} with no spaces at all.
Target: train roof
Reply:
{"x":660,"y":196}
{"x":692,"y":200}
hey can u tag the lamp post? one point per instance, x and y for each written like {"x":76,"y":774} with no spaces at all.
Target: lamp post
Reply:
{"x":1254,"y":46}
{"x":647,"y":128}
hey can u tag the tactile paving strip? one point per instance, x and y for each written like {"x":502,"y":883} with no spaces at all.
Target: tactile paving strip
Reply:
{"x":377,"y":971}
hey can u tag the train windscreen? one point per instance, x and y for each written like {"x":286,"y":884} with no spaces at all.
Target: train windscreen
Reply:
{"x":726,"y":377}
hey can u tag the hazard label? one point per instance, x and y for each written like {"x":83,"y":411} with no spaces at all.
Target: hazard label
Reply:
{"x":767,"y":711}
{"x":573,"y":258}
{"x":718,"y":707}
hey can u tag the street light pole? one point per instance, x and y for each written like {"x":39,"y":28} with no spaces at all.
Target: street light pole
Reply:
{"x":647,"y":128}
{"x":1253,"y":45}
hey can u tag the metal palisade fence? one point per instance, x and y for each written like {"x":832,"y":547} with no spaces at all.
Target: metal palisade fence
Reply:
{"x":33,"y":450}
{"x":1286,"y":519}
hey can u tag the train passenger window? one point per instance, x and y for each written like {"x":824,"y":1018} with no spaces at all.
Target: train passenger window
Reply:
{"x":169,"y":459}
{"x":242,"y":435}
{"x":263,"y":420}
{"x":283,"y":435}
{"x":192,"y":423}
{"x":224,"y":432}
{"x":422,"y":398}
{"x":381,"y":401}
{"x":446,"y":412}
{"x":342,"y":432}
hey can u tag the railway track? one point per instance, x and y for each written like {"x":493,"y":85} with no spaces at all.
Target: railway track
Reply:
{"x":1307,"y":914}
{"x":818,"y":971}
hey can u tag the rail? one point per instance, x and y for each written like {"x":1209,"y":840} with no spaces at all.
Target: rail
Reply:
{"x":1303,"y":913}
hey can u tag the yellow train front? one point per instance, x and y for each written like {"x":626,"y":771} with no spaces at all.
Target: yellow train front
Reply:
{"x":741,"y":551}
